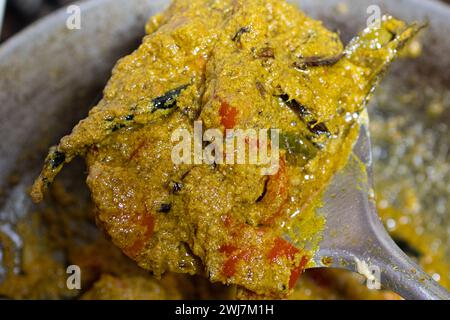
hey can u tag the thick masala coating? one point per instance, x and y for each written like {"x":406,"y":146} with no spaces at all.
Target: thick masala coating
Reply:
{"x":237,"y":64}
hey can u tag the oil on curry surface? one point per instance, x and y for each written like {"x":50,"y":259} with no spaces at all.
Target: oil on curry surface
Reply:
{"x":231,"y":64}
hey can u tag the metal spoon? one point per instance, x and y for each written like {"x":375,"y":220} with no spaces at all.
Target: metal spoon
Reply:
{"x":355,"y":238}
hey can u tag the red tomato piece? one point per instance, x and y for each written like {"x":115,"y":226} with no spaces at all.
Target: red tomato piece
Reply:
{"x":295,"y":274}
{"x":228,"y":115}
{"x":149,"y":223}
{"x":282,"y":248}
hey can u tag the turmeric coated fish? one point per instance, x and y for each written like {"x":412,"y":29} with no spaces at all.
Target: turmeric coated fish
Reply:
{"x":231,"y":64}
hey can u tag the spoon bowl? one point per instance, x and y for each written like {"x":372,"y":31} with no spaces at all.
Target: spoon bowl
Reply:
{"x":355,"y":238}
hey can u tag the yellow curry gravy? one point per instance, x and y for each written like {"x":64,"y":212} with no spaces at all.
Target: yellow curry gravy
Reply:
{"x":232,"y":64}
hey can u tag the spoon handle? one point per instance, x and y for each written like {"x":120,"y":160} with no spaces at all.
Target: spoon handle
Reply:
{"x":376,"y":255}
{"x":398,"y":272}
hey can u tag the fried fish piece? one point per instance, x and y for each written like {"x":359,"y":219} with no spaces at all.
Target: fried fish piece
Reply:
{"x":168,"y":67}
{"x":232,"y":65}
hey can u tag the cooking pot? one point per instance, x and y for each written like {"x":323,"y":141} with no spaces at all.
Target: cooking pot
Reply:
{"x":50,"y":76}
